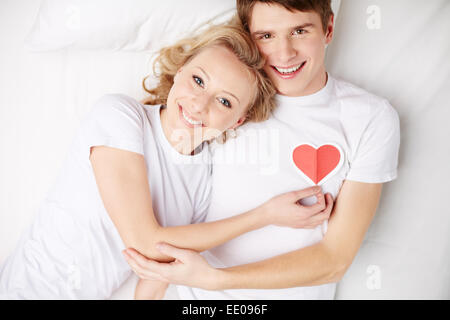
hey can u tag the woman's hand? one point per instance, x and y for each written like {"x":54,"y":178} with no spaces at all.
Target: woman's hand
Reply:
{"x":285,"y":210}
{"x":189,"y":268}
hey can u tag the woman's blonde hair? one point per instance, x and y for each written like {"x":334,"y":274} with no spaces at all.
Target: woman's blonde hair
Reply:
{"x":230,"y":35}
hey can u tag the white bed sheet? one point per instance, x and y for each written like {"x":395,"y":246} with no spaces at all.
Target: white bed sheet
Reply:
{"x":405,"y":58}
{"x":43,"y":97}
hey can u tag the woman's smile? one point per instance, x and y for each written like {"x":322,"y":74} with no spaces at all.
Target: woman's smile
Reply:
{"x":188,"y":120}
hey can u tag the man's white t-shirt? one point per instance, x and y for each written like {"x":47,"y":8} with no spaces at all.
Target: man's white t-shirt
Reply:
{"x":73,"y":250}
{"x":339,"y":133}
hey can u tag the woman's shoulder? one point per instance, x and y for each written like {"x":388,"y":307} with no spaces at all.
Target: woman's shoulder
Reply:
{"x":117,"y":101}
{"x":122,"y":107}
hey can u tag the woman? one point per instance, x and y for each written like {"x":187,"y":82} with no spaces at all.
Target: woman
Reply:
{"x":137,"y":175}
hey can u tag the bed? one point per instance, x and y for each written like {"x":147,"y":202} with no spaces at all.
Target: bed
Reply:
{"x":52,"y":69}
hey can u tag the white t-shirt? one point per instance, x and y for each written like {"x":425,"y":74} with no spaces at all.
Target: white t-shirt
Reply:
{"x":72,"y":249}
{"x":360,"y":134}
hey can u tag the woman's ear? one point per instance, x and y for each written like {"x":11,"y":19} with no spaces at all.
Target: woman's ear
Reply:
{"x":176,"y":74}
{"x":239,"y":122}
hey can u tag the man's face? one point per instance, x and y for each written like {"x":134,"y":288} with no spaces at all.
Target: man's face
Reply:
{"x":293,"y":44}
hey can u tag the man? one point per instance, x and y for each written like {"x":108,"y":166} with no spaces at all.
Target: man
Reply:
{"x":329,"y":133}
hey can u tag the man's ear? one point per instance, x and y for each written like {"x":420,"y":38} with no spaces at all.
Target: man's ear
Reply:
{"x":330,"y":30}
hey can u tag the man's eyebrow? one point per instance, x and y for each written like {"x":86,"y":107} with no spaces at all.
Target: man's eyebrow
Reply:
{"x":227,"y":92}
{"x":302,"y":26}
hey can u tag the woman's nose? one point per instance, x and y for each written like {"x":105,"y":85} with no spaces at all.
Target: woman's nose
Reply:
{"x":200,"y":103}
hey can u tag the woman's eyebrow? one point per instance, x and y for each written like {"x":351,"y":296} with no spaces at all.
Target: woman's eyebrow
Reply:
{"x":232,"y":96}
{"x":204,"y":72}
{"x":227,"y":92}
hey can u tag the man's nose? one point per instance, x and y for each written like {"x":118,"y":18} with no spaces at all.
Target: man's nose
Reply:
{"x":286,"y":51}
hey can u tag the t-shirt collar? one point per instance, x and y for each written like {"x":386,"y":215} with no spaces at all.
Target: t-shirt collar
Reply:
{"x":321,"y":96}
{"x":168,"y":148}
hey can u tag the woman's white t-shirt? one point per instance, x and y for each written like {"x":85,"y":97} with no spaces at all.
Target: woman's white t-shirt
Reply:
{"x":361,"y":136}
{"x":73,"y":250}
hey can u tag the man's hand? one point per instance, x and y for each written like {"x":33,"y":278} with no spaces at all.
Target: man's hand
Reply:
{"x":189,"y":268}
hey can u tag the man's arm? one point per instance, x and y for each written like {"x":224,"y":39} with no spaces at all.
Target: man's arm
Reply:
{"x":324,"y":262}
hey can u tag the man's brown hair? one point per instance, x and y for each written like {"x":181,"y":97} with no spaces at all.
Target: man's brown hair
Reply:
{"x":321,"y":7}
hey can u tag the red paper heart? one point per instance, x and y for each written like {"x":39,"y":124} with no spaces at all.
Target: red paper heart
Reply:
{"x":316,"y":164}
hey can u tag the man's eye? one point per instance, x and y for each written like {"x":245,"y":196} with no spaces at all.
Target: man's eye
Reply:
{"x":198,"y":80}
{"x":300,"y":31}
{"x":225,"y":102}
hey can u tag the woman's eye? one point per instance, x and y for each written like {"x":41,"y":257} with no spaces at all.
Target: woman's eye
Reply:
{"x":266,"y":36}
{"x":198,"y":80}
{"x":225,"y":102}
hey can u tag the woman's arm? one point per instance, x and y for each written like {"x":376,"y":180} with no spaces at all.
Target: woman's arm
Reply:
{"x":122,"y":181}
{"x":324,"y":262}
{"x":150,"y":290}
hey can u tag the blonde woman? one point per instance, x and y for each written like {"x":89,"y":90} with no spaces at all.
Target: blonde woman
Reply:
{"x":139,"y":174}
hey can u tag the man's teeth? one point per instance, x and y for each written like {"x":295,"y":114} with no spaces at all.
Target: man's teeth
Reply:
{"x":290,"y":70}
{"x":193,"y":122}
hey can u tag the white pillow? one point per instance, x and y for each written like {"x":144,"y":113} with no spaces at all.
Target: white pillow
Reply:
{"x":137,"y":25}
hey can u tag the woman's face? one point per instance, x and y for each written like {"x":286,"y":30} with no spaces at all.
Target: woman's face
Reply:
{"x":210,"y":94}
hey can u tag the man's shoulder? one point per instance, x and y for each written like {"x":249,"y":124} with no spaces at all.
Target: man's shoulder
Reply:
{"x":355,"y":97}
{"x":358,"y":103}
{"x":346,"y":89}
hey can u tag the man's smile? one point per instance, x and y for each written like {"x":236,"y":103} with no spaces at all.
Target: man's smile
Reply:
{"x":289,"y":72}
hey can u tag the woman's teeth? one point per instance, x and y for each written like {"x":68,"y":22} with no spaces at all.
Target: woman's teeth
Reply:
{"x":191,"y":121}
{"x":289,"y":70}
